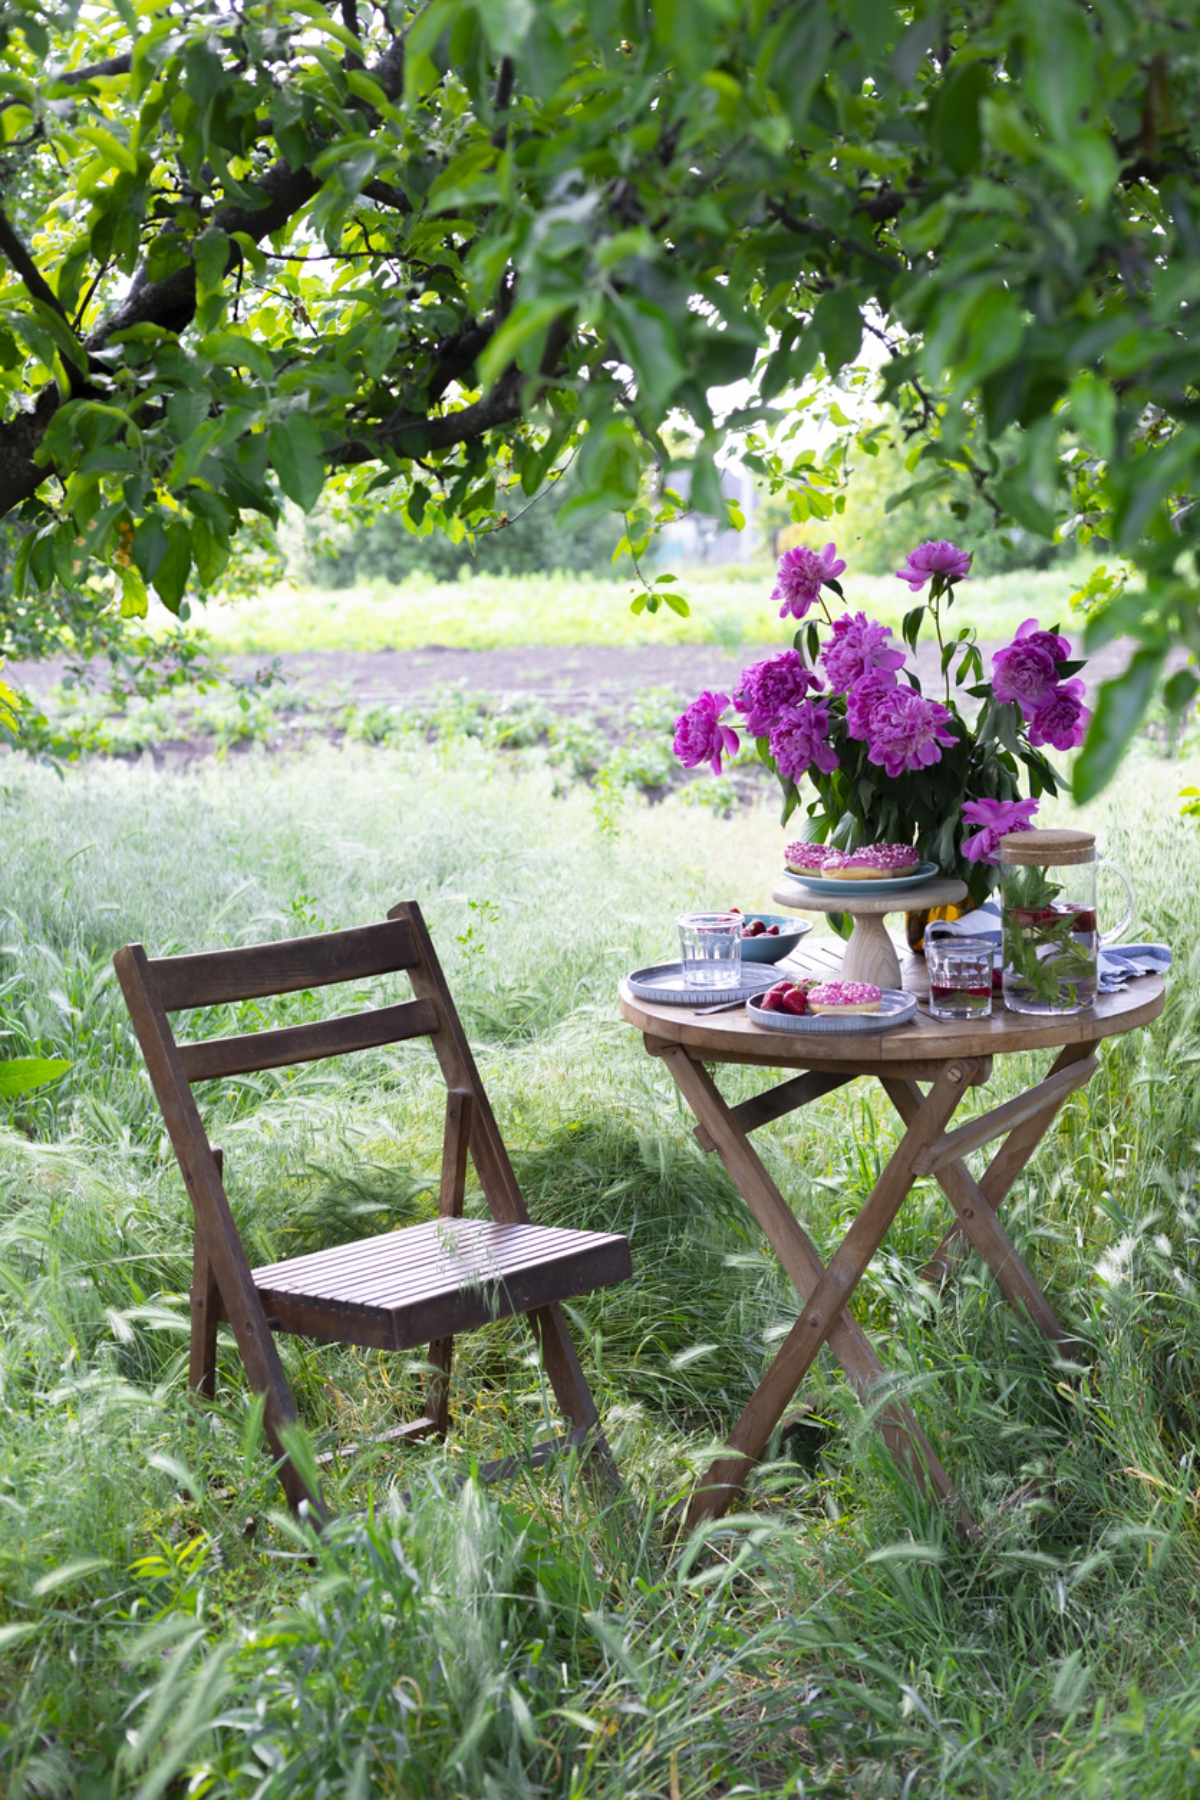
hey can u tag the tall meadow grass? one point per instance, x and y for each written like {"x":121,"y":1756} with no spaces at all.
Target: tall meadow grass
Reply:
{"x":165,"y":1629}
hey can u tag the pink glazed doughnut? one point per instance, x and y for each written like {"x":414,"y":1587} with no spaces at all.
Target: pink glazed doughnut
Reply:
{"x":844,"y":997}
{"x":872,"y":864}
{"x":807,"y":859}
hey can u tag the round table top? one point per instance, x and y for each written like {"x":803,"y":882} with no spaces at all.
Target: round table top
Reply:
{"x":733,"y":1037}
{"x":939,"y":890}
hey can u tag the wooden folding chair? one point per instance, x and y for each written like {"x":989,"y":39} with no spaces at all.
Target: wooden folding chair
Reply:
{"x":421,"y":1285}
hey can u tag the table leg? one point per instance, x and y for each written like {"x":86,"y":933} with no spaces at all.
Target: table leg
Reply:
{"x":1003,"y":1169}
{"x":980,"y":1223}
{"x":787,"y":1237}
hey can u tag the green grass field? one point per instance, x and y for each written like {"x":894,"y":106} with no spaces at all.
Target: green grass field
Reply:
{"x":493,"y":612}
{"x":164,"y":1630}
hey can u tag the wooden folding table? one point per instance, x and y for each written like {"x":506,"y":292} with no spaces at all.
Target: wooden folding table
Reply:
{"x":948,"y":1057}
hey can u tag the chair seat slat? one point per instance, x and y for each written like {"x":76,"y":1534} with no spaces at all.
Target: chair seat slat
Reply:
{"x":399,"y":1288}
{"x":413,"y":1288}
{"x":434,"y":1256}
{"x":217,"y":976}
{"x":411,"y":1246}
{"x":215,"y":1058}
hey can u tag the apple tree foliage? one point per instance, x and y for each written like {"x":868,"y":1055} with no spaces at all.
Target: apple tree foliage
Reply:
{"x":423,"y":255}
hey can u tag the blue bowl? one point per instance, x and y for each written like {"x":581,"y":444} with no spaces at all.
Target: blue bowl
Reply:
{"x":774,"y":949}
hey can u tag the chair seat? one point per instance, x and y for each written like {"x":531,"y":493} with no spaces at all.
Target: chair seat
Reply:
{"x":435,"y":1280}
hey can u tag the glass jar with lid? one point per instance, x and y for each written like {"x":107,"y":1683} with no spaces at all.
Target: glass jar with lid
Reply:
{"x":1051,"y":940}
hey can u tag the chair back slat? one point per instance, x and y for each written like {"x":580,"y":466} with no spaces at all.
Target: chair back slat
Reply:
{"x":217,"y":976}
{"x":215,"y":1058}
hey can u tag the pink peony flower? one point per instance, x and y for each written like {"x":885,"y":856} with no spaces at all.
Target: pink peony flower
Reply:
{"x":1049,"y":641}
{"x":858,"y":645}
{"x":800,"y":740}
{"x":905,"y":731}
{"x":929,"y":559}
{"x":1062,"y":718}
{"x":997,"y":817}
{"x":862,"y":698}
{"x":767,"y":687}
{"x":801,"y":575}
{"x":1024,"y":672}
{"x":699,"y":735}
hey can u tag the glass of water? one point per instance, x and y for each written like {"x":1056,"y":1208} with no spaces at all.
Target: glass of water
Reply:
{"x":960,"y":975}
{"x":710,"y":945}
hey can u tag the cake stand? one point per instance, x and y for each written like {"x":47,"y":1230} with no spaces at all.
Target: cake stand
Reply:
{"x":870,"y":954}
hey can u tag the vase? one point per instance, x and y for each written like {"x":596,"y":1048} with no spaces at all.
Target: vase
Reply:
{"x":915,"y":923}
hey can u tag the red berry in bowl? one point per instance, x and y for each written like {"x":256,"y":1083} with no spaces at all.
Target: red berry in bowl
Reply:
{"x":795,"y":1001}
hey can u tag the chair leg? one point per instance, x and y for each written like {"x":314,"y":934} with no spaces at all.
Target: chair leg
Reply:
{"x":206,"y":1296}
{"x":560,"y":1359}
{"x":437,"y":1391}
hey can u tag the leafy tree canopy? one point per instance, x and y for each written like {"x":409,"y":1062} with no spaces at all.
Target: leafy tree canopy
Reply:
{"x":257,"y":250}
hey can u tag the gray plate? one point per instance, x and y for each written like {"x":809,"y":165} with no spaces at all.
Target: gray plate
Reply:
{"x":896,"y":1008}
{"x":663,"y":983}
{"x":892,"y":884}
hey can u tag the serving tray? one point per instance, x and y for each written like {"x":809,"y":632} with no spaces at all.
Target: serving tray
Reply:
{"x":663,"y":984}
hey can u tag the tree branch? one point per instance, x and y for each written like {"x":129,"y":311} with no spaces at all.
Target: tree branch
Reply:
{"x":501,"y":407}
{"x":500,"y":105}
{"x":27,"y":269}
{"x":351,"y":60}
{"x":116,"y":65}
{"x":387,"y":195}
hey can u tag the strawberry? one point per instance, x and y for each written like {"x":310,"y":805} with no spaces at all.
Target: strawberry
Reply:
{"x":771,"y":931}
{"x":795,"y":1001}
{"x":771,"y":1001}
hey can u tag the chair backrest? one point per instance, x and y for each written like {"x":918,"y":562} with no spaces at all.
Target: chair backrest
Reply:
{"x":156,"y":986}
{"x":184,"y":983}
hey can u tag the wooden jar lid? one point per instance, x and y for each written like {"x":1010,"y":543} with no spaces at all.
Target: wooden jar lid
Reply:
{"x":1053,"y":849}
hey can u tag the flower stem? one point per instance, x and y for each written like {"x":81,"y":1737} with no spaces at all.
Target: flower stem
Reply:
{"x":935,"y":595}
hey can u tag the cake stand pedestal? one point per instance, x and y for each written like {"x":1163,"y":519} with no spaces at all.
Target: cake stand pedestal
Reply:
{"x":870,"y":954}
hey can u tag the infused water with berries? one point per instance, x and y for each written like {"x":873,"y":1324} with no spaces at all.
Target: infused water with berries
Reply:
{"x":1050,"y":957}
{"x":1051,"y":943}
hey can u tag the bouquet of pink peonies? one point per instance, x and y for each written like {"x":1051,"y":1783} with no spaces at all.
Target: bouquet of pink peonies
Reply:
{"x":885,"y":763}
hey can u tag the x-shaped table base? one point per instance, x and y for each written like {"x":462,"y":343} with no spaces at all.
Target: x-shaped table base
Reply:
{"x":927,"y":1148}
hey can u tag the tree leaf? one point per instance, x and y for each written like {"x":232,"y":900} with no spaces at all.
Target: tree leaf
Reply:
{"x":186,"y":412}
{"x":649,"y":343}
{"x":295,"y":452}
{"x":171,"y":575}
{"x":211,"y":256}
{"x":116,"y":154}
{"x":24,"y":1073}
{"x":838,"y":324}
{"x":956,"y":134}
{"x":1120,"y":707}
{"x":706,"y":495}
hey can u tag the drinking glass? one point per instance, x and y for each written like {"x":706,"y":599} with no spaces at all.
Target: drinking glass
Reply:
{"x":710,"y":946}
{"x":960,"y":975}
